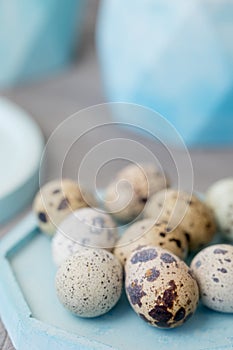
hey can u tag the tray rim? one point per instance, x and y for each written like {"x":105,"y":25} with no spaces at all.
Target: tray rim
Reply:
{"x":25,"y":330}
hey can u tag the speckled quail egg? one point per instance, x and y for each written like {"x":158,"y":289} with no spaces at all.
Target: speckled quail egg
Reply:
{"x":86,"y":227}
{"x":181,"y":208}
{"x":213,"y":269}
{"x":89,"y":284}
{"x":127,"y":195}
{"x":55,"y":201}
{"x":147,"y":232}
{"x":220,"y":198}
{"x":160,"y":287}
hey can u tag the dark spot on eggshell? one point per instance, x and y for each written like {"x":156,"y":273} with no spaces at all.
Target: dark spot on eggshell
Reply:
{"x":177,"y":241}
{"x":167,"y":258}
{"x":152,"y":274}
{"x":169,"y":295}
{"x":208,"y":225}
{"x":215,"y":279}
{"x":160,"y":314}
{"x":63,"y":204}
{"x":198,"y":264}
{"x":172,"y":284}
{"x":56,"y":191}
{"x":162,"y":234}
{"x":220,"y":251}
{"x":227,"y":260}
{"x":144,"y":255}
{"x":42,"y":217}
{"x":180,"y":314}
{"x":222,"y":270}
{"x":98,"y":225}
{"x":135,"y":292}
{"x":143,"y":200}
{"x":187,"y":235}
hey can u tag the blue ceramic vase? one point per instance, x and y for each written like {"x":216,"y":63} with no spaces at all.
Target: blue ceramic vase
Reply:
{"x":175,"y":57}
{"x":37,"y":37}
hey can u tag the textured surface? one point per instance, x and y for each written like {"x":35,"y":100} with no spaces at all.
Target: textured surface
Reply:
{"x":116,"y":329}
{"x":127,"y":194}
{"x":194,"y":216}
{"x":54,"y":201}
{"x":85,"y":227}
{"x":89,"y":284}
{"x":220,"y":198}
{"x":52,"y":100}
{"x":5,"y":343}
{"x":160,"y":288}
{"x":213,"y":269}
{"x":147,"y":232}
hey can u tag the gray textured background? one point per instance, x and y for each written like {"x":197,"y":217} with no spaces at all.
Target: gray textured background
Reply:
{"x":54,"y":99}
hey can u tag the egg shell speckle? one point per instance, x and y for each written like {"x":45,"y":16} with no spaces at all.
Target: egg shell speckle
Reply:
{"x":147,"y":232}
{"x":54,"y":201}
{"x":189,"y":212}
{"x":160,"y":287}
{"x":86,"y":227}
{"x":220,"y":198}
{"x":89,"y":283}
{"x":213,"y":269}
{"x":126,"y":196}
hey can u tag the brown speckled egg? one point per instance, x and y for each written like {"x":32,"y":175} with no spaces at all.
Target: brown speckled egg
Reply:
{"x":55,"y":201}
{"x":147,"y":232}
{"x":213,"y":269}
{"x":160,"y":287}
{"x":89,"y":283}
{"x":126,"y":196}
{"x":220,"y":198}
{"x":181,"y":208}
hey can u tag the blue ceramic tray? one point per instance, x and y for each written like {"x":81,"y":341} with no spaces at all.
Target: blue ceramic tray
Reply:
{"x":36,"y":321}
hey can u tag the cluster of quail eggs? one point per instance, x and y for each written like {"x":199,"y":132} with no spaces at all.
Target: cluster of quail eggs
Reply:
{"x":139,"y":237}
